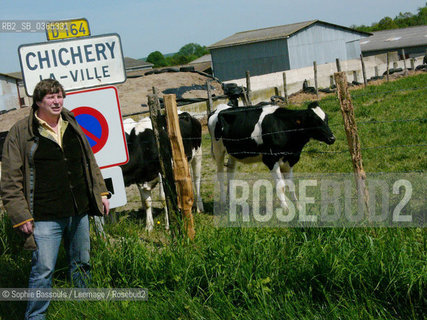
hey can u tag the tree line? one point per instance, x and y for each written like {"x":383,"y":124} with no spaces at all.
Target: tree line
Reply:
{"x":402,"y":20}
{"x":186,"y":54}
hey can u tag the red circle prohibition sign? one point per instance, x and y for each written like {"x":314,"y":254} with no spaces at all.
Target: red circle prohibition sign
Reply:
{"x":94,"y":126}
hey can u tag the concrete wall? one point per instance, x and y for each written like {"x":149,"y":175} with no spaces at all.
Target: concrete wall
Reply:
{"x":296,"y":77}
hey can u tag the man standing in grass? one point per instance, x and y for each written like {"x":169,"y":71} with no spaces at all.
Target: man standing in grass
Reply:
{"x":50,"y":184}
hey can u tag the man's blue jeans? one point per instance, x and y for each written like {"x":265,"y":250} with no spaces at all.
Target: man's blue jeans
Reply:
{"x":48,"y":236}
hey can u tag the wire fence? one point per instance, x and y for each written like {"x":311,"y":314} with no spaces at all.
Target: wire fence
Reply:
{"x":422,"y":144}
{"x":360,"y":123}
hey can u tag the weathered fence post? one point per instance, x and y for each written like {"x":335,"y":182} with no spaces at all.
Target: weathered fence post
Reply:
{"x":351,"y":132}
{"x":365,"y":81}
{"x":404,"y":62}
{"x":285,"y":90}
{"x":387,"y":63}
{"x":331,"y":81}
{"x":377,"y":72}
{"x":180,"y":164}
{"x":338,"y":65}
{"x":248,"y":87}
{"x":413,"y":64}
{"x":355,"y":76}
{"x":315,"y":79}
{"x":209,"y":103}
{"x":165,"y":164}
{"x":245,"y":97}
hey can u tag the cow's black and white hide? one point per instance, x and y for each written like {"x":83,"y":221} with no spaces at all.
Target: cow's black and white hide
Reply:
{"x":143,"y":168}
{"x":265,"y":133}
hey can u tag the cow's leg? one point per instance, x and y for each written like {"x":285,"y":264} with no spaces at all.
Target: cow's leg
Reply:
{"x":280,"y":185}
{"x":147,"y":203}
{"x":218,"y":153}
{"x":163,"y":200}
{"x":196,"y":166}
{"x":231,"y":169}
{"x":286,"y":169}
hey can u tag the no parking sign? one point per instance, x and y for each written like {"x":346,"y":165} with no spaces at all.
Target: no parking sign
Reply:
{"x":98,"y":113}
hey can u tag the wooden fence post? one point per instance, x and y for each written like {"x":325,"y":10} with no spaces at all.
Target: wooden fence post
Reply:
{"x":338,"y":65}
{"x":315,"y":79}
{"x":285,"y":90}
{"x":180,"y":164}
{"x":365,"y":81}
{"x":387,"y":62}
{"x":404,"y":62}
{"x":209,"y":103}
{"x":413,"y":64}
{"x":352,"y":135}
{"x":377,"y":73}
{"x":248,"y":87}
{"x":165,"y":154}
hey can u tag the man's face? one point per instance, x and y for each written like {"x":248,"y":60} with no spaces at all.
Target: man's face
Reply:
{"x":51,"y":105}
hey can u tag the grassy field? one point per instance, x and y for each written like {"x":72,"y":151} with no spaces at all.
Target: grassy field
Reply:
{"x":267,"y":273}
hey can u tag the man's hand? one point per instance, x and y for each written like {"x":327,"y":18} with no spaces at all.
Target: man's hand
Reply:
{"x":27,"y":227}
{"x":106,"y":204}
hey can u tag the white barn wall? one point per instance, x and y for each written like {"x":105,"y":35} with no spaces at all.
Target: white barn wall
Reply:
{"x":9,"y":98}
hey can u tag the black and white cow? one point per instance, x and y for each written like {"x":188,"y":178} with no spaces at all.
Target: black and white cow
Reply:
{"x":143,"y":168}
{"x":265,"y":133}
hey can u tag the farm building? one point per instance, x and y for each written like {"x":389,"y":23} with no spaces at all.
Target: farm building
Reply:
{"x":283,"y":48}
{"x":203,"y":64}
{"x":413,"y":40}
{"x":9,"y":92}
{"x":136,"y":64}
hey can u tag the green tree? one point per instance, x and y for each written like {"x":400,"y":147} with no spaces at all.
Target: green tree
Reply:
{"x":385,"y":24}
{"x":421,"y":18}
{"x":157,"y":58}
{"x":402,"y":20}
{"x":193,"y":49}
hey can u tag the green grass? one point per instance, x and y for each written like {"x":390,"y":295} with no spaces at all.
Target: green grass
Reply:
{"x":267,"y":273}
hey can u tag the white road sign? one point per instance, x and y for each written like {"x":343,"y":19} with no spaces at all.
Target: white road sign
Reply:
{"x":114,"y":180}
{"x":75,"y":63}
{"x":98,"y":113}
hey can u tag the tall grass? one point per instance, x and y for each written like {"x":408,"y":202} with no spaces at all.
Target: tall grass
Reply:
{"x":267,"y":273}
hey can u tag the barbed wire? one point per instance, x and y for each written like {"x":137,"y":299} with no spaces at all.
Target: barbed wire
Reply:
{"x":311,"y":128}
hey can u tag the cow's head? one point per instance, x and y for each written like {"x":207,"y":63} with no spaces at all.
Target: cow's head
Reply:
{"x":318,"y":124}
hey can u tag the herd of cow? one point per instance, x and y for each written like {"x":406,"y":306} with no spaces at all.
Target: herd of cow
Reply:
{"x":264,"y":132}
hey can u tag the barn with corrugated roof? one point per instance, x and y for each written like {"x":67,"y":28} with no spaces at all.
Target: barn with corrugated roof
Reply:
{"x":413,"y":40}
{"x":282,"y":48}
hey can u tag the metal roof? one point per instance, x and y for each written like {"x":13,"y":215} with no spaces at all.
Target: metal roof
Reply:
{"x":271,"y":33}
{"x":13,"y":75}
{"x":395,"y":39}
{"x":132,"y":63}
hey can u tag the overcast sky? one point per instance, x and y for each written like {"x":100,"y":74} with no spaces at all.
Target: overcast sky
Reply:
{"x":145,"y":26}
